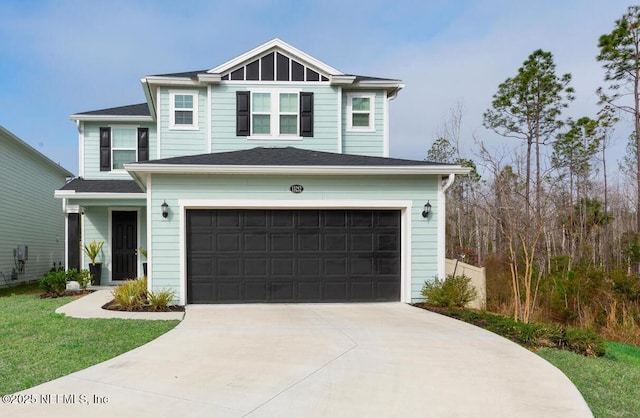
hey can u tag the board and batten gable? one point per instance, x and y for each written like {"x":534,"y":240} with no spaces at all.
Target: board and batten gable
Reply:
{"x":90,"y":148}
{"x":166,"y":237}
{"x":31,"y":215}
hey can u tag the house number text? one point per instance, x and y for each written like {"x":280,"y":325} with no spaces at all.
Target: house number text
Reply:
{"x":296,"y":188}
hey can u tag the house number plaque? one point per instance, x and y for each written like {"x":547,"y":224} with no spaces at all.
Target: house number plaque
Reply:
{"x":296,"y":188}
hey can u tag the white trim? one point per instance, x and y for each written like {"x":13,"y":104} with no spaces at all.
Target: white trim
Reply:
{"x":171,"y":81}
{"x":81,"y":140}
{"x":109,"y":265}
{"x":385,"y":125}
{"x":275,"y":44}
{"x":372,"y":111}
{"x":209,"y":139}
{"x":324,"y":170}
{"x":404,"y":206}
{"x":149,"y":210}
{"x":110,"y":118}
{"x":285,"y":84}
{"x":339,"y":110}
{"x":72,"y":194}
{"x":441,"y":227}
{"x":66,"y":234}
{"x":158,"y":126}
{"x":195,"y":95}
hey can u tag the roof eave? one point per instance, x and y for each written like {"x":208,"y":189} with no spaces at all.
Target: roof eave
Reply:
{"x":118,"y":118}
{"x":172,"y":81}
{"x":72,"y":194}
{"x":138,"y":169}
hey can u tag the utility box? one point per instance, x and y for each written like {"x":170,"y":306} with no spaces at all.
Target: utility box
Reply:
{"x":21,"y":253}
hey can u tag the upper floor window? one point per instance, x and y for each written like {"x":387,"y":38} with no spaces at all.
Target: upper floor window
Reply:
{"x":124,"y":147}
{"x":120,"y":145}
{"x":274,"y":114}
{"x":361,"y":112}
{"x":184,"y":109}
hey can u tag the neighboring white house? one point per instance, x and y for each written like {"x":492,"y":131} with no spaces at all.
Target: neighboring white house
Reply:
{"x":264,"y":179}
{"x":32,"y":221}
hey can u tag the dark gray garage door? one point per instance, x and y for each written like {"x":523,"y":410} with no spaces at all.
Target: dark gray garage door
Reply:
{"x":293,"y":255}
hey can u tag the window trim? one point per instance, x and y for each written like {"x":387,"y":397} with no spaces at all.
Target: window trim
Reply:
{"x":134,"y":128}
{"x":371,"y":112}
{"x":194,"y":109}
{"x":275,"y":115}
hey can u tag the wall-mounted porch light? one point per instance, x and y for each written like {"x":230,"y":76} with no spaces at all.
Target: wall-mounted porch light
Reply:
{"x":165,"y":209}
{"x":426,"y":211}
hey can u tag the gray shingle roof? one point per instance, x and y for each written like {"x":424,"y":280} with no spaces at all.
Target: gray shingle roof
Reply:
{"x":288,"y":156}
{"x":140,"y":109}
{"x":81,"y":185}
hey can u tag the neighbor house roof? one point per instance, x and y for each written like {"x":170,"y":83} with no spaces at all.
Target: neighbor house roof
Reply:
{"x":6,"y":135}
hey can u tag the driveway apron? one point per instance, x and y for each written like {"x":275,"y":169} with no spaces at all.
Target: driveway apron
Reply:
{"x":314,"y":360}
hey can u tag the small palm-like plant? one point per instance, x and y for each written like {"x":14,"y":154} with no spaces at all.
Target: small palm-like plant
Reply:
{"x":160,"y":301}
{"x":131,"y":295}
{"x":93,"y":250}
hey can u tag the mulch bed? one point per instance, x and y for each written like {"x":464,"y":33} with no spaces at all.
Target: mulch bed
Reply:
{"x":113,"y":306}
{"x":54,"y":295}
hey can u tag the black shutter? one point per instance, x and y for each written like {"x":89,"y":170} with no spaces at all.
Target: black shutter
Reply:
{"x":105,"y":149}
{"x":306,"y":114}
{"x":73,"y":241}
{"x":242,"y":113}
{"x":143,"y":144}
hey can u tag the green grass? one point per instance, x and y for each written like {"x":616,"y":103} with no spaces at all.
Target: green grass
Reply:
{"x":609,"y":384}
{"x":38,"y":345}
{"x":22,"y":289}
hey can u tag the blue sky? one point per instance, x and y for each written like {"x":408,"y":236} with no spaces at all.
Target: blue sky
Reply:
{"x":62,"y":57}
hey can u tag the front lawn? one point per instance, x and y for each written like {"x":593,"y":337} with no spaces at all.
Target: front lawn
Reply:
{"x":38,"y":345}
{"x":609,"y":384}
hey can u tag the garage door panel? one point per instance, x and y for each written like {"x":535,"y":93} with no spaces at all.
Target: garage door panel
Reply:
{"x":292,"y":255}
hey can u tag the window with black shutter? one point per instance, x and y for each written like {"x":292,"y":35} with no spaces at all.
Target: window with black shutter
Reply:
{"x":306,"y":114}
{"x":243,"y":113}
{"x":143,"y":144}
{"x":105,"y":149}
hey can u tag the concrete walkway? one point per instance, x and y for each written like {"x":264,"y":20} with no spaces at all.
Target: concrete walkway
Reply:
{"x":313,"y":360}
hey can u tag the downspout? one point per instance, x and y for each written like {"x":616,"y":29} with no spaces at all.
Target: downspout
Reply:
{"x":442,"y":224}
{"x":449,"y":182}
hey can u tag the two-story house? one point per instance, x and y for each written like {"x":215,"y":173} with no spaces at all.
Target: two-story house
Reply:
{"x":264,"y":179}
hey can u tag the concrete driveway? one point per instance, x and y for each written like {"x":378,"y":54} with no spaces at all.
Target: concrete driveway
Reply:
{"x":314,"y":360}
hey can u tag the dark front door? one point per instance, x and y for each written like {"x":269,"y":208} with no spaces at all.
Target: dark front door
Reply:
{"x":293,"y":256}
{"x":124,"y":245}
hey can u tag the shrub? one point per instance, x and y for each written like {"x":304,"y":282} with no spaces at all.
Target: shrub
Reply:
{"x":162,"y":300}
{"x":454,"y":291}
{"x":132,"y":294}
{"x":582,"y":341}
{"x":54,"y":282}
{"x":83,"y":277}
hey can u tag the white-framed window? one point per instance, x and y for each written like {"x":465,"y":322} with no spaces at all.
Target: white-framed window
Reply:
{"x":275,"y":113}
{"x":124,"y":146}
{"x":361,"y":114}
{"x":184,"y":109}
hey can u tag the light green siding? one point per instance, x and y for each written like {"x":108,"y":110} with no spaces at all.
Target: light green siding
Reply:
{"x":165,"y":235}
{"x":223,"y":118}
{"x":91,"y":156}
{"x":176,"y":142}
{"x":30,"y":214}
{"x":96,"y":226}
{"x":365,"y":143}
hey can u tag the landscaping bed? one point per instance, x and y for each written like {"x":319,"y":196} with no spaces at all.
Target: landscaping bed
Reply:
{"x":114,"y":306}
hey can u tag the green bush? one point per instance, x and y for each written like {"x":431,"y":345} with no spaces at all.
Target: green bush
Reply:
{"x":533,"y":335}
{"x":160,"y":301}
{"x":454,"y":291}
{"x":54,"y":282}
{"x":131,"y":295}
